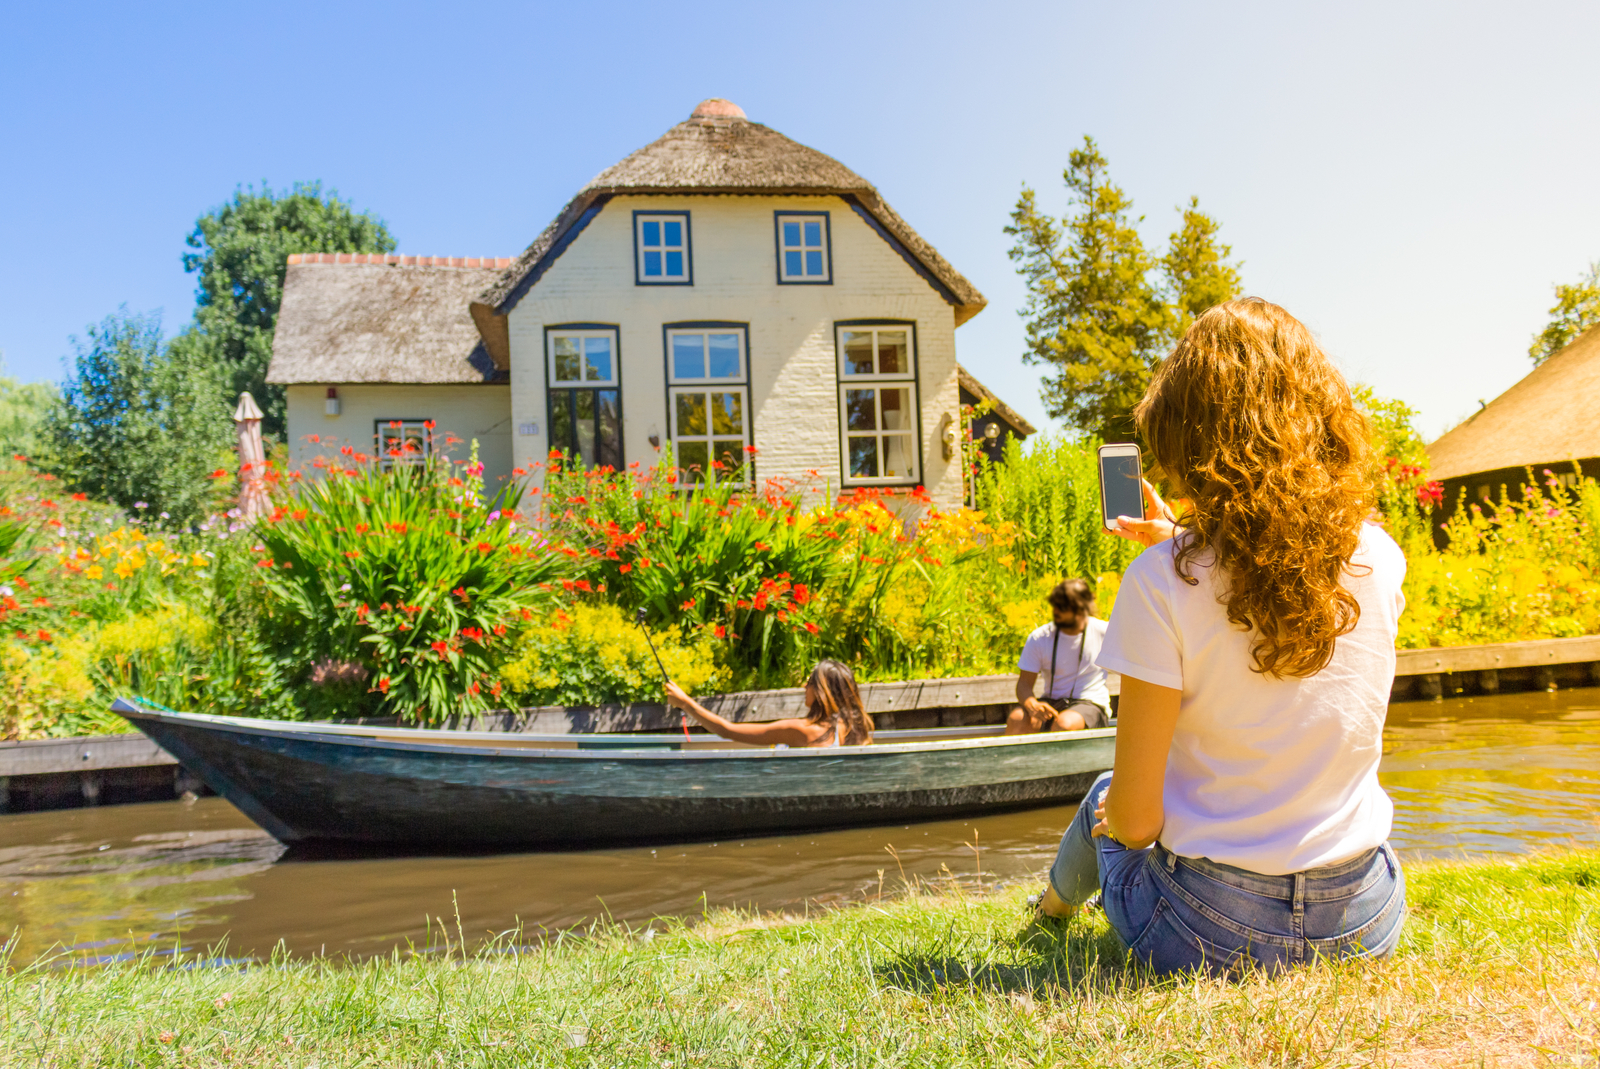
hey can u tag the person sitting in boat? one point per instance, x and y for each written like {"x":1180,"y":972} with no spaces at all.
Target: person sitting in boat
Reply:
{"x":1243,"y":824}
{"x":835,"y":714}
{"x":1067,"y":649}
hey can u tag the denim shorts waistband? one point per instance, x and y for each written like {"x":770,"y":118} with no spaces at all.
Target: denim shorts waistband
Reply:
{"x":1360,"y":863}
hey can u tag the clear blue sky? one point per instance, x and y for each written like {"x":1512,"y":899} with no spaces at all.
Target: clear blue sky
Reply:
{"x":1409,"y":179}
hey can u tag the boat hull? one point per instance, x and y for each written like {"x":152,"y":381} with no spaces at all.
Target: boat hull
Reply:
{"x":305,"y":787}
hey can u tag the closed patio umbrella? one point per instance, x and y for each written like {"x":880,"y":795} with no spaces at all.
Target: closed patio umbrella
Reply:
{"x":253,"y":499}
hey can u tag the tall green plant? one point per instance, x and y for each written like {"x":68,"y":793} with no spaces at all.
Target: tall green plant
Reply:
{"x":1050,"y":490}
{"x":395,"y":592}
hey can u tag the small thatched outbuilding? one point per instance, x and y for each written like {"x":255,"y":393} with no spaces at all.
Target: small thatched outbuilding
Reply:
{"x":1548,"y":421}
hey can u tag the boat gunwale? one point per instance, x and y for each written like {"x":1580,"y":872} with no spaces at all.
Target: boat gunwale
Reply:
{"x":352,"y":735}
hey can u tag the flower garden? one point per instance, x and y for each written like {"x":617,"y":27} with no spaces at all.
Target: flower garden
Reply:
{"x":396,"y":586}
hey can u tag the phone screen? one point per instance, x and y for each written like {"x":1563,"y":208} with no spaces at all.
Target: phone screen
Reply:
{"x":1119,"y":480}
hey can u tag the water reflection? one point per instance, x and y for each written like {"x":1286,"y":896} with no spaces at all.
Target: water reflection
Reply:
{"x":1494,"y":775}
{"x":1506,"y":774}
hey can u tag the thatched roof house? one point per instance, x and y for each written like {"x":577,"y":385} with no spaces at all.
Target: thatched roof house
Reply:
{"x":724,"y":291}
{"x":1547,"y":420}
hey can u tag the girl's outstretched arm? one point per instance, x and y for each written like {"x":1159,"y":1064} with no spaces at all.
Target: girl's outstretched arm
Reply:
{"x":785,"y":732}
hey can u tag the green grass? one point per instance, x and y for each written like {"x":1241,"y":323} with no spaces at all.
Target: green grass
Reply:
{"x":1499,"y":966}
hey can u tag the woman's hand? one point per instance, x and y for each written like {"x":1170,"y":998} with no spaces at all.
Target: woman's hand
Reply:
{"x":1101,"y":826}
{"x":1157,"y":525}
{"x":678,"y":697}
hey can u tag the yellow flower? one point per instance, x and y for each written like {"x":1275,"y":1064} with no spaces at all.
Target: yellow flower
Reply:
{"x":123,"y":569}
{"x":198,"y":561}
{"x":94,"y":571}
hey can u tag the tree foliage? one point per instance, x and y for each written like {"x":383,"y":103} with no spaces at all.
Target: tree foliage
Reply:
{"x":1577,"y":308}
{"x":241,"y":255}
{"x":139,"y":423}
{"x":23,"y":406}
{"x":1102,"y":310}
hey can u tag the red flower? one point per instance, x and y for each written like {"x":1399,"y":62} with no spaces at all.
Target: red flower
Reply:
{"x":625,"y":569}
{"x":353,"y":554}
{"x":721,"y":632}
{"x":583,"y":584}
{"x":80,"y":497}
{"x":460,"y":592}
{"x":219,"y":473}
{"x":811,"y":627}
{"x":763,"y":547}
{"x":383,"y":685}
{"x":686,"y":606}
{"x":441,"y":648}
{"x":397,"y":528}
{"x":44,"y":636}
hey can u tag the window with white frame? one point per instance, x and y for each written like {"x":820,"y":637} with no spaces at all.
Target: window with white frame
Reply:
{"x":403,"y":441}
{"x":803,"y":247}
{"x":661,"y":249}
{"x":584,"y":396}
{"x":878,"y":404}
{"x":708,"y":402}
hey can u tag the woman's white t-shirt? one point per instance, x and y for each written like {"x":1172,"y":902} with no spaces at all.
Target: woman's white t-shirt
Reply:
{"x":1270,"y":775}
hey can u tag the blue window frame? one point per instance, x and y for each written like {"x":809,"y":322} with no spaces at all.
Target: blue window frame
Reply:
{"x":805,"y":253}
{"x":662,"y":255}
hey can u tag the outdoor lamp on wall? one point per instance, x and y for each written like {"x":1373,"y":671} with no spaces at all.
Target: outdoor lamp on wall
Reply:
{"x":992,"y":431}
{"x":947,"y":435}
{"x":330,"y":407}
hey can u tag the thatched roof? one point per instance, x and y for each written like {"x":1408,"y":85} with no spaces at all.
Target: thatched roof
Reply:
{"x":350,"y":318}
{"x":718,"y":150}
{"x":1547,"y":417}
{"x":977,"y":389}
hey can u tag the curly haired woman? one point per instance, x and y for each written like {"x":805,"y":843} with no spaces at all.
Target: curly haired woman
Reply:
{"x":1243,"y":824}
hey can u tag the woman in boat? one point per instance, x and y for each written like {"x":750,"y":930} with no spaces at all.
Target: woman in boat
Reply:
{"x":834,"y":717}
{"x":1243,"y":824}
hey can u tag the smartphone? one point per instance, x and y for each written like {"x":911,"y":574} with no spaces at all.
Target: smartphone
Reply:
{"x":1121,"y":483}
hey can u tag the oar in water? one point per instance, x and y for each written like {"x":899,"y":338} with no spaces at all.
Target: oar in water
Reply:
{"x":638,"y":618}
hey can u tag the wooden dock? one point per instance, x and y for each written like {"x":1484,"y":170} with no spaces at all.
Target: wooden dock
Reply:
{"x":102,"y":769}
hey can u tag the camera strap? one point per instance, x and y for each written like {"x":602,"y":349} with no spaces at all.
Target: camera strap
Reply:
{"x":1055,"y":646}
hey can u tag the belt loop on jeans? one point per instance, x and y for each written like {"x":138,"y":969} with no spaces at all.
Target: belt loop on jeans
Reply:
{"x":1172,"y":859}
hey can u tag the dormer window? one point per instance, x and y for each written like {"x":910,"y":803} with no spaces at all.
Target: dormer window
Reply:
{"x":804,"y":248}
{"x":661,"y":249}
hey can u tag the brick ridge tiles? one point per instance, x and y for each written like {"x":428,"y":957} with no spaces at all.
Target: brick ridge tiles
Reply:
{"x":500,"y":262}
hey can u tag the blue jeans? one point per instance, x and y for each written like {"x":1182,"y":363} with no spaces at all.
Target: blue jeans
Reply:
{"x":1181,"y":914}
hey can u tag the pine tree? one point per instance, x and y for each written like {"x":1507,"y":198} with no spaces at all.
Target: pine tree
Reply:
{"x":1095,"y":315}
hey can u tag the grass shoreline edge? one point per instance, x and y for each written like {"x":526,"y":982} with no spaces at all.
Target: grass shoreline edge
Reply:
{"x":1500,"y":964}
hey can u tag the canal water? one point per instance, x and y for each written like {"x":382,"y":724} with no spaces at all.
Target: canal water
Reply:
{"x":1468,"y":776}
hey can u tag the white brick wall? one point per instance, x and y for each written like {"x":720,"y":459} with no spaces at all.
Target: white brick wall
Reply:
{"x":468,"y":412}
{"x":794,"y":395}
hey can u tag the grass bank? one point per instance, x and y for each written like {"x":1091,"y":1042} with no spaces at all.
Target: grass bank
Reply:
{"x":1499,"y":966}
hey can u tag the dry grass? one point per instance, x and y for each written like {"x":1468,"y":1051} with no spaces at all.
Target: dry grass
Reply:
{"x":1499,"y":966}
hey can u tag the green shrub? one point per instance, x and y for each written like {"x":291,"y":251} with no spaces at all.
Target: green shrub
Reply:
{"x":593,"y":653}
{"x":399,"y":591}
{"x":1049,"y":489}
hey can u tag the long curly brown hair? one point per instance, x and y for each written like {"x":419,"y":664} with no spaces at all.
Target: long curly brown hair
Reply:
{"x":1250,"y":420}
{"x":839,"y":701}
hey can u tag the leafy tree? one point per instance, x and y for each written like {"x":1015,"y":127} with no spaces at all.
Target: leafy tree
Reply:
{"x":1102,"y":310}
{"x":1577,"y":308}
{"x":139,"y":423}
{"x":241,"y":254}
{"x":22,"y":408}
{"x":1197,"y":268}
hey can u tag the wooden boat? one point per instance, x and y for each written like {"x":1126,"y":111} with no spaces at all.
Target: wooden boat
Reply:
{"x":415,"y":788}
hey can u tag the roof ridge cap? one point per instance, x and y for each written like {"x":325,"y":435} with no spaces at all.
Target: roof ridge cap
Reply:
{"x":499,"y":263}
